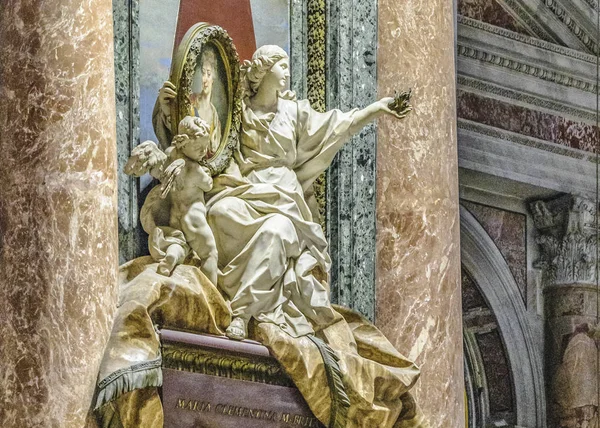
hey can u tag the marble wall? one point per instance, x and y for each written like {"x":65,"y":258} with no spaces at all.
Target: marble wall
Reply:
{"x":352,"y":82}
{"x":492,"y":12}
{"x":58,"y":207}
{"x":418,"y":271}
{"x":132,"y":239}
{"x":521,"y":120}
{"x":508,"y":231}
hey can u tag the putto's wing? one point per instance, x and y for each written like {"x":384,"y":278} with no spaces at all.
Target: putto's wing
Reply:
{"x":169,"y":177}
{"x":146,"y":157}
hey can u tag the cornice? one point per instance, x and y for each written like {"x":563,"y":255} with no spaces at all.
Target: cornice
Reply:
{"x":500,"y":134}
{"x":571,"y":24}
{"x":531,"y":41}
{"x":526,"y":69}
{"x":533,"y":70}
{"x":527,"y":20}
{"x":489,"y":89}
{"x":526,"y":160}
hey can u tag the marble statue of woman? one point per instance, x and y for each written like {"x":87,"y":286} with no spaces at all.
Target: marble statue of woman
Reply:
{"x":272,"y":270}
{"x":272,"y":254}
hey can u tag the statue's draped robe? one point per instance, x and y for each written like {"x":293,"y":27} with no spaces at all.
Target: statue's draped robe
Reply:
{"x":272,"y":259}
{"x":272,"y":255}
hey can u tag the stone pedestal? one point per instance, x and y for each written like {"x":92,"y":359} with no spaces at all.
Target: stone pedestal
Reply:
{"x":58,"y":227}
{"x":566,"y":232}
{"x":211,"y":381}
{"x":418,"y":269}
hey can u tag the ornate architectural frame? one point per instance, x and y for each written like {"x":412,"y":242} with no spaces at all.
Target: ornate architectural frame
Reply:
{"x":486,"y":264}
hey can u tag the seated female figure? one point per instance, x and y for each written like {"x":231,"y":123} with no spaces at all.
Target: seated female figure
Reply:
{"x":273,"y":256}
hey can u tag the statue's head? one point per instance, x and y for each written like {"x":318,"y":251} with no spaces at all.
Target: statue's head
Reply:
{"x":193,"y":139}
{"x":269,"y":66}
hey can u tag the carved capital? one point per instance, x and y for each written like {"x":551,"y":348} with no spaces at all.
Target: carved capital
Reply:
{"x":566,"y":233}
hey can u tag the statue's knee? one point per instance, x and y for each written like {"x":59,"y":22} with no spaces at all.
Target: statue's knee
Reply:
{"x":279,"y":228}
{"x":223,"y":209}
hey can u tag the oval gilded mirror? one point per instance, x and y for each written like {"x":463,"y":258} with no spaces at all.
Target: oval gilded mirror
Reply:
{"x":206,"y":74}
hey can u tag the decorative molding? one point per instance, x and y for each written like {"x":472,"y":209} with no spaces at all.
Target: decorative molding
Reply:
{"x":298,"y":47}
{"x":527,"y":69}
{"x":315,"y":81}
{"x":526,"y":19}
{"x":567,"y":237}
{"x":132,"y":239}
{"x":571,"y":24}
{"x":532,"y":41}
{"x":523,"y":140}
{"x":474,"y":85}
{"x":199,"y":360}
{"x":538,"y":164}
{"x":316,"y":30}
{"x":475,"y":381}
{"x":489,"y":270}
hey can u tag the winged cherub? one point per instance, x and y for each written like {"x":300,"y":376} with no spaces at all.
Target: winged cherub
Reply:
{"x":184,"y":182}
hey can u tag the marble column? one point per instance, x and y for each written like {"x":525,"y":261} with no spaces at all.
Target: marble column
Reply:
{"x":58,"y":213}
{"x":566,"y":232}
{"x":418,"y":271}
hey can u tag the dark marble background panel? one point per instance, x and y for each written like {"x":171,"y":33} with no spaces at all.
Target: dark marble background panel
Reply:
{"x":352,"y":82}
{"x":132,"y":239}
{"x":507,"y":230}
{"x":491,"y":12}
{"x":521,"y":120}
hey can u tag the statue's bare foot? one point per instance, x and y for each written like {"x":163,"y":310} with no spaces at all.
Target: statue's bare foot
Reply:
{"x":166,"y":266}
{"x":237,"y":329}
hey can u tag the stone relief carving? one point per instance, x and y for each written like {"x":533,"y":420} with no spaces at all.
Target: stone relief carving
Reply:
{"x":567,"y":238}
{"x":244,"y":218}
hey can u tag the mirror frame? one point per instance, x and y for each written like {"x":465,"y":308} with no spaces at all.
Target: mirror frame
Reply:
{"x":182,"y":73}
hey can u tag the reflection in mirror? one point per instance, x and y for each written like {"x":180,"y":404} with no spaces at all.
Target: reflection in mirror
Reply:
{"x":208,"y":98}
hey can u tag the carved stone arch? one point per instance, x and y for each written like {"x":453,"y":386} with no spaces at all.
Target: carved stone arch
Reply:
{"x":489,"y":269}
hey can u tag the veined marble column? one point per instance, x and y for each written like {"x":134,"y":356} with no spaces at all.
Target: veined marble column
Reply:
{"x":58,"y":213}
{"x":566,"y":232}
{"x":418,"y":272}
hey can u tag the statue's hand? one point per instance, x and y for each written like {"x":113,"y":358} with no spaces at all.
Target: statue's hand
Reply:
{"x":165,"y":96}
{"x":398,"y":106}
